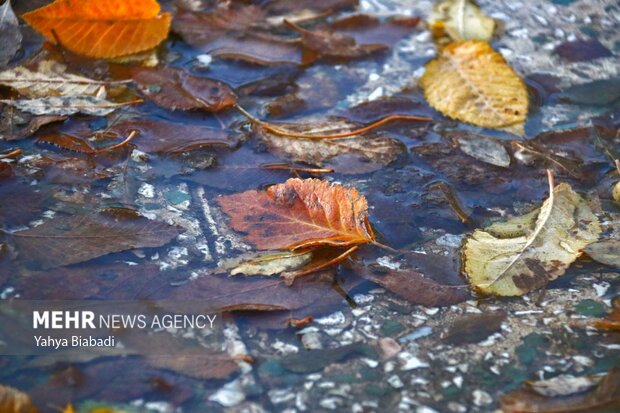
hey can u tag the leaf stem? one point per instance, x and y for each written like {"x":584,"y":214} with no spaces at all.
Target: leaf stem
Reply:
{"x":290,"y":134}
{"x":128,"y":139}
{"x":11,"y":154}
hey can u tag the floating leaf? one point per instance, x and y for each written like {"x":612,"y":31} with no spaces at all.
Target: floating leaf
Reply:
{"x":461,"y":20}
{"x":49,"y":80}
{"x":526,"y":252}
{"x":603,"y":398}
{"x":108,"y":29}
{"x":471,"y":82}
{"x":177,"y":89}
{"x":606,"y":252}
{"x":271,"y":263}
{"x":14,"y":401}
{"x":616,"y":191}
{"x":351,"y":155}
{"x":10,"y":36}
{"x":65,"y":240}
{"x":64,"y":106}
{"x":300,"y":214}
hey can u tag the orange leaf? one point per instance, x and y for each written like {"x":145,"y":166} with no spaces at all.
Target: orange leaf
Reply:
{"x":102,"y":28}
{"x":300,"y":214}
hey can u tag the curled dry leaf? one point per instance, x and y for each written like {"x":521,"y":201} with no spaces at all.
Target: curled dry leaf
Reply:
{"x":64,"y":106}
{"x":14,"y":401}
{"x":177,"y":89}
{"x":108,"y":29}
{"x":605,"y":397}
{"x":269,"y":263}
{"x":612,"y":321}
{"x":301,"y":213}
{"x":526,"y":252}
{"x":10,"y":36}
{"x":51,"y":79}
{"x":471,"y":82}
{"x":461,"y":20}
{"x":65,"y":240}
{"x":351,"y":155}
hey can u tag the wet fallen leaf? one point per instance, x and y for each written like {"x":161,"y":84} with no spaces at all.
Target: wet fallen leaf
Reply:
{"x":102,"y":29}
{"x":51,"y":79}
{"x":416,"y":286}
{"x":63,"y":106}
{"x":265,"y":294}
{"x":582,"y":50}
{"x":197,"y":364}
{"x":14,"y":401}
{"x":68,"y":142}
{"x":606,"y":252}
{"x":317,"y":360}
{"x":605,"y":397}
{"x":174,"y":138}
{"x":352,"y":155}
{"x":484,"y":148}
{"x":177,"y":89}
{"x":564,"y":385}
{"x":10,"y":35}
{"x":69,"y":409}
{"x":16,"y":125}
{"x":270,"y":263}
{"x":331,"y":45}
{"x":224,"y":33}
{"x":612,"y":321}
{"x":526,"y":252}
{"x":471,"y":82}
{"x":473,"y":328}
{"x":300,"y":214}
{"x":598,"y":93}
{"x":65,"y":240}
{"x":461,"y":20}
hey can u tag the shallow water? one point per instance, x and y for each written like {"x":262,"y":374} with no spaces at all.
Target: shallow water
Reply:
{"x":337,"y":362}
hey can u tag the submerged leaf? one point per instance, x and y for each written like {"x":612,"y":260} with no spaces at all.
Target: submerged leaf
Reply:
{"x":526,"y":252}
{"x":603,"y":398}
{"x":10,"y":36}
{"x":300,"y":214}
{"x":108,"y":29}
{"x":14,"y":401}
{"x":484,"y":148}
{"x":351,"y":155}
{"x":471,"y":82}
{"x":63,"y":106}
{"x":462,"y":20}
{"x":51,"y":79}
{"x":177,"y":89}
{"x":65,"y":240}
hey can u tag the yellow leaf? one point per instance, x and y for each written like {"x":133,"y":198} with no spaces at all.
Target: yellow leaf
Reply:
{"x":69,"y":409}
{"x":472,"y":83}
{"x":14,"y":401}
{"x":461,"y":20}
{"x":525,"y":253}
{"x":102,"y":28}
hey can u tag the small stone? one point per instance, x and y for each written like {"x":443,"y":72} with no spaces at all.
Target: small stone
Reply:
{"x":590,"y":308}
{"x":411,"y":362}
{"x":388,"y":348}
{"x":395,"y":382}
{"x":229,"y":395}
{"x":482,"y":398}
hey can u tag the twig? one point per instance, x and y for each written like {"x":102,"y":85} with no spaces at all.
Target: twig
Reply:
{"x":287,"y":167}
{"x":128,"y":139}
{"x":289,"y":134}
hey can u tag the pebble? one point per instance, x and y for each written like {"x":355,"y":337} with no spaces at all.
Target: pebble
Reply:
{"x":411,"y":362}
{"x":229,"y":395}
{"x":482,"y":398}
